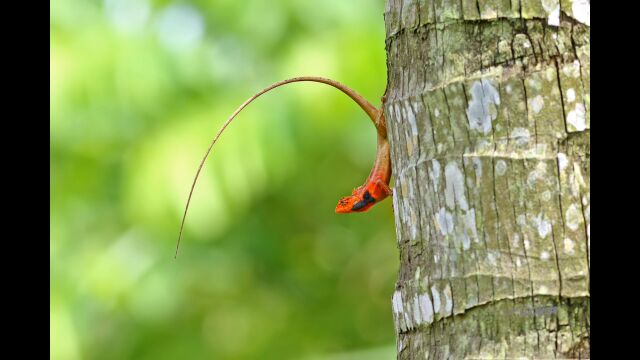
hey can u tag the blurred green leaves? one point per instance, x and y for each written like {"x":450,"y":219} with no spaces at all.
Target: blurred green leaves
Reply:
{"x":266,"y":269}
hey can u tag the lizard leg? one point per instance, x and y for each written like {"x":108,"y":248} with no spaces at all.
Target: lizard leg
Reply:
{"x":381,"y":124}
{"x":384,"y":187}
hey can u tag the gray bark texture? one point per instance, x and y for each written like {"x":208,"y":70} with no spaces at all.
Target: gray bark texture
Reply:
{"x":488,"y":112}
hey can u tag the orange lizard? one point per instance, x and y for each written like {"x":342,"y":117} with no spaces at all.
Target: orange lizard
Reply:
{"x":375,"y":189}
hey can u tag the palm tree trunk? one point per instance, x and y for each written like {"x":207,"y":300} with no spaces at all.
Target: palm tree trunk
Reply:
{"x":487,"y":108}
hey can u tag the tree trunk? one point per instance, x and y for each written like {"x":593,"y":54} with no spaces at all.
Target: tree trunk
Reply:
{"x":488,"y":115}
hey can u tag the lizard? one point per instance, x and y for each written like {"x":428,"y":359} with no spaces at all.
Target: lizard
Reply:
{"x":376,"y":187}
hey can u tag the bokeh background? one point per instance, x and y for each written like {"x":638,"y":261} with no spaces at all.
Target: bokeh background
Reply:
{"x":266,"y":270}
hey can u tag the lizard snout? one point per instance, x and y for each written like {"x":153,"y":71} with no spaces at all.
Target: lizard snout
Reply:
{"x":345,"y":205}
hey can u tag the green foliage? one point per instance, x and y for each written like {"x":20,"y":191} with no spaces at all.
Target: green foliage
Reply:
{"x":266,"y":269}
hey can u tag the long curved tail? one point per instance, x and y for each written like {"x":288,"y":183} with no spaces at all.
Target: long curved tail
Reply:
{"x":372,"y":112}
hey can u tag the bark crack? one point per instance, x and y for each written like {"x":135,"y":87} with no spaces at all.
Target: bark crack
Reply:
{"x":564,"y":115}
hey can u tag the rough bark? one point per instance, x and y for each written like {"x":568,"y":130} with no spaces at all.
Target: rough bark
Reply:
{"x":488,"y":116}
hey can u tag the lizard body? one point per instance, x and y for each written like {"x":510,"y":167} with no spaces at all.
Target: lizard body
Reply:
{"x":375,"y":189}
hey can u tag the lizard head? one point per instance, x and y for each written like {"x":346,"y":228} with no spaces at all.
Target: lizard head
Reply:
{"x":360,"y":200}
